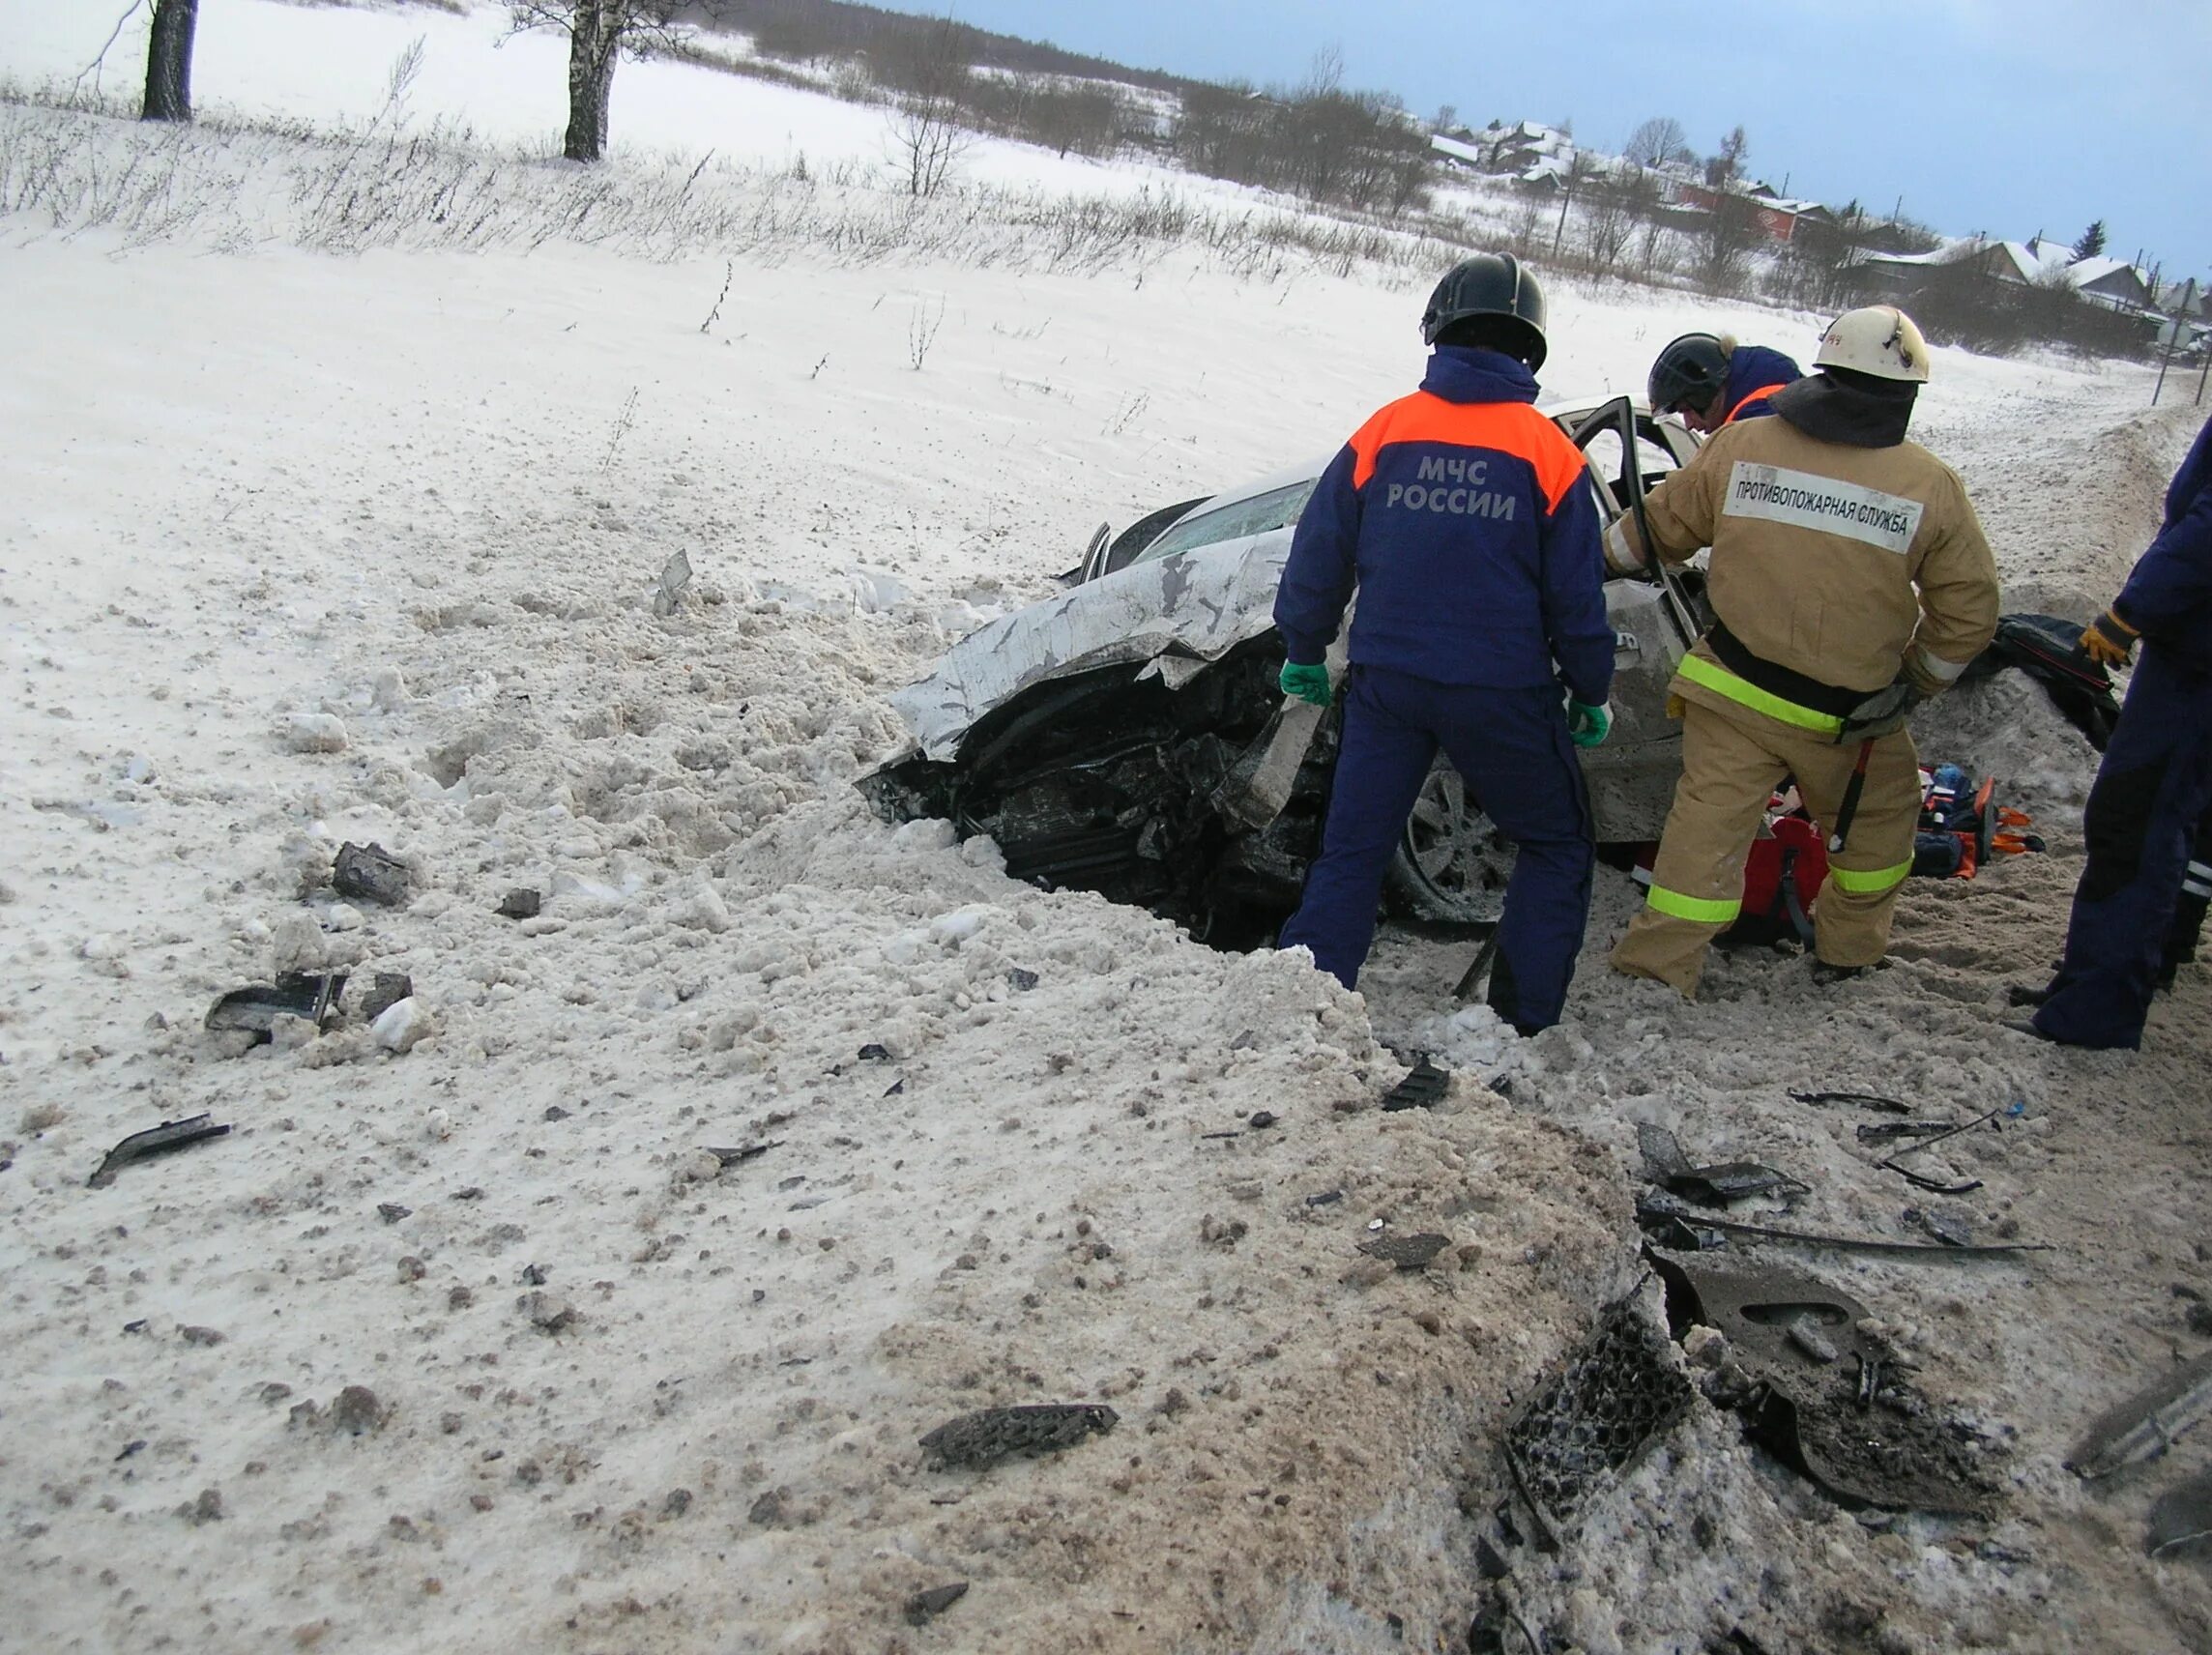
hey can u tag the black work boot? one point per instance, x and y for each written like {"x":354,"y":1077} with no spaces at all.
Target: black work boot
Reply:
{"x":2026,"y":994}
{"x":1825,"y":975}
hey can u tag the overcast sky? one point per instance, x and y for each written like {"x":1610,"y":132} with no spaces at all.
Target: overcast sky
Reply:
{"x":2005,"y":116}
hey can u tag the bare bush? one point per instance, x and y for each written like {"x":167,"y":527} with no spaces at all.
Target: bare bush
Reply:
{"x":1727,"y":234}
{"x":1087,"y":119}
{"x":240,"y":185}
{"x":1614,"y":205}
{"x":1320,"y":142}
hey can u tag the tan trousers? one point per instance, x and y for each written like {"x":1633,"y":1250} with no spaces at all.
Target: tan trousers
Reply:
{"x":1732,"y":763}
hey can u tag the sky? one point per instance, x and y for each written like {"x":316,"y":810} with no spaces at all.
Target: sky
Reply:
{"x":2007,"y":117}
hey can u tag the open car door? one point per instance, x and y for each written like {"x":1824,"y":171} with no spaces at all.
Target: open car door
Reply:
{"x":1655,"y":619}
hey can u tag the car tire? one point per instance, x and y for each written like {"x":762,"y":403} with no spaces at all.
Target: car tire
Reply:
{"x":1452,"y":863}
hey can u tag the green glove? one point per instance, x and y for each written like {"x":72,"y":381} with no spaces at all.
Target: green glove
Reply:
{"x":1307,"y":683}
{"x":1587,"y":726}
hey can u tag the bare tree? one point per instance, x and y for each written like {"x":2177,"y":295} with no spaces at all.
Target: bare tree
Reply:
{"x":1726,"y":167}
{"x":1326,"y":72}
{"x":1657,"y":141}
{"x":1654,"y":235}
{"x":930,"y":130}
{"x":1617,"y":203}
{"x":169,"y":61}
{"x":1730,"y":231}
{"x":1581,"y":170}
{"x":600,"y":32}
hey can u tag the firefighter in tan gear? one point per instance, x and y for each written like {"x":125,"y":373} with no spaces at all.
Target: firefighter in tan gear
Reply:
{"x":1851,"y":582}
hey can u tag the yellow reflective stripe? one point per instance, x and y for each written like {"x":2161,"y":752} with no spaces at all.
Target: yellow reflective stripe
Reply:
{"x":1719,"y":680}
{"x":1869,"y":881}
{"x":1703,"y":910}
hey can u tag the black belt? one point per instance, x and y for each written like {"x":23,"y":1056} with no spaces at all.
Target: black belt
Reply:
{"x":1791,"y":686}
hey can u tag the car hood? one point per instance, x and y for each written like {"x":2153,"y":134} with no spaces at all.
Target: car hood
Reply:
{"x":1178,"y":613}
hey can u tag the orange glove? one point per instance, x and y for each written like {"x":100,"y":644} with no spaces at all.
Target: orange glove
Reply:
{"x":2109,"y":640}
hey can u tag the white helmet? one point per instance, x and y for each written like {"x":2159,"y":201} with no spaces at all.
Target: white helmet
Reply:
{"x":1877,"y":339}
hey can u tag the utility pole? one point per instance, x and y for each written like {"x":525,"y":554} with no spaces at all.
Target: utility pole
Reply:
{"x":2181,"y":321}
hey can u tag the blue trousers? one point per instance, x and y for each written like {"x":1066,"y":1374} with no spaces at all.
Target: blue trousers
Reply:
{"x":1510,"y":748}
{"x":2151,"y":792}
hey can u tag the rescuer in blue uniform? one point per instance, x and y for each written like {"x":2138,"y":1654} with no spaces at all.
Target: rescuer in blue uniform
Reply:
{"x":1711,"y":381}
{"x":2153,"y":788}
{"x":1464,"y":520}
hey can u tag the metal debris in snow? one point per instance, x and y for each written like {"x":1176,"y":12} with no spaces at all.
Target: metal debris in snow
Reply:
{"x":1717,"y":1185}
{"x":1864,"y":1099}
{"x":1407,"y":1251}
{"x":1670,"y":1226}
{"x":924,"y":1607}
{"x":1423,"y":1088}
{"x":520,"y":903}
{"x":161,"y":1140}
{"x":372,"y":874}
{"x":975,"y":1440}
{"x":744,"y":1151}
{"x":387,"y":990}
{"x":1920,"y":1181}
{"x":2147,"y":1423}
{"x":310,"y":996}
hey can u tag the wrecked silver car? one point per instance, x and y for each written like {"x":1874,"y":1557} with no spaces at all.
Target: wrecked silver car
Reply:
{"x":1100,"y":737}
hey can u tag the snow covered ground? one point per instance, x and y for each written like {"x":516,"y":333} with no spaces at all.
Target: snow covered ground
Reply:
{"x":306,"y":548}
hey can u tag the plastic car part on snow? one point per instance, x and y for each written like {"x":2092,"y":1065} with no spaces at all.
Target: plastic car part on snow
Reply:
{"x":161,"y":1140}
{"x":1813,"y":1382}
{"x":312,"y":997}
{"x":1609,"y":1400}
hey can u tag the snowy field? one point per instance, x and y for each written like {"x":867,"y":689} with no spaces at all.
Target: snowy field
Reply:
{"x":305,"y":548}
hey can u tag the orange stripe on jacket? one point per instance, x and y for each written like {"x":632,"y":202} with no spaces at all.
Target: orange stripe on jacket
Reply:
{"x":1512,"y":428}
{"x":1762,"y":390}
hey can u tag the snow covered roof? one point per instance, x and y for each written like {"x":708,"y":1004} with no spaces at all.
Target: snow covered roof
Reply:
{"x":2021,"y":260}
{"x":1456,"y":150}
{"x":2089,"y":272}
{"x":2010,"y":259}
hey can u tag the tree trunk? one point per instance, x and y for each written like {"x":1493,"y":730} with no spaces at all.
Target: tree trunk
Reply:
{"x":594,"y":43}
{"x":169,"y":62}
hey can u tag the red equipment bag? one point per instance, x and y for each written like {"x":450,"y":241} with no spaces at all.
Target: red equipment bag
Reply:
{"x":1782,"y":874}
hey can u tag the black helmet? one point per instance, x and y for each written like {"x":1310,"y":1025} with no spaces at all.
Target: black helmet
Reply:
{"x":1491,"y":284}
{"x":1691,"y":369}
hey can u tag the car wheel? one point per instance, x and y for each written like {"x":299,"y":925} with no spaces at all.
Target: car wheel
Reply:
{"x":1452,"y":862}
